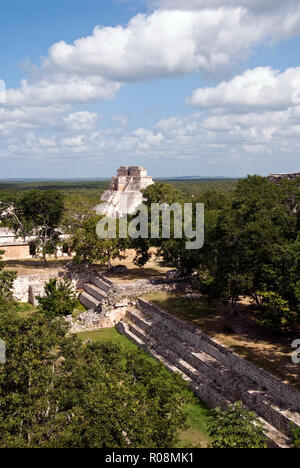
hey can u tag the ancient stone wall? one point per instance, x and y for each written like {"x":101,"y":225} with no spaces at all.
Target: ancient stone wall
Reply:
{"x":124,"y":194}
{"x":284,"y":393}
{"x":275,"y":178}
{"x":15,"y":252}
{"x":139,"y":288}
{"x":26,"y":287}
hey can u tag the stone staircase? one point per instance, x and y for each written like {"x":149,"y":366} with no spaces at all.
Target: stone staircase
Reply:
{"x":218,"y":379}
{"x":95,"y":293}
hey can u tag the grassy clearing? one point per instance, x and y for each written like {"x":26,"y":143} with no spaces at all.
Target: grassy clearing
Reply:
{"x":182,"y":307}
{"x":107,"y":335}
{"x":196,"y":410}
{"x":26,"y":310}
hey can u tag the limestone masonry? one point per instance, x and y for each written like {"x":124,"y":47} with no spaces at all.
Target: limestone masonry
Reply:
{"x":124,"y":194}
{"x":278,"y":177}
{"x":217,"y":375}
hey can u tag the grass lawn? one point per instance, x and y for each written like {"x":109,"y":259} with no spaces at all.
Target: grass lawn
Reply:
{"x":107,"y":335}
{"x":182,"y":307}
{"x":268,"y":350}
{"x":79,"y":309}
{"x":26,"y":310}
{"x":197,"y":411}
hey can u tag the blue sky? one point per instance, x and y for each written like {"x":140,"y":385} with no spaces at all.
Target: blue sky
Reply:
{"x":192,"y":87}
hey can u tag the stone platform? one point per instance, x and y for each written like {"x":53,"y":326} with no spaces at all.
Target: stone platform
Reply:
{"x":217,"y":375}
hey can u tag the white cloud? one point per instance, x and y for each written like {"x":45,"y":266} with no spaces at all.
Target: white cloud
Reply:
{"x":208,"y":139}
{"x":119,"y":119}
{"x":261,"y":88}
{"x":61,"y":88}
{"x":166,"y":43}
{"x":251,"y":4}
{"x":170,"y":43}
{"x":78,"y":121}
{"x":259,"y":113}
{"x":15,"y":119}
{"x":2,"y":92}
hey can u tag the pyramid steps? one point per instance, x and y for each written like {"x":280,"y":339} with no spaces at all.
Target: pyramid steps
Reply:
{"x":88,"y":301}
{"x":240,"y":387}
{"x":95,"y":292}
{"x":212,"y":379}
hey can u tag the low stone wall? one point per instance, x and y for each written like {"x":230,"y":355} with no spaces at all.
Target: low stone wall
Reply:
{"x":26,"y":287}
{"x":147,"y":286}
{"x":92,"y":320}
{"x":80,"y":274}
{"x":289,"y":396}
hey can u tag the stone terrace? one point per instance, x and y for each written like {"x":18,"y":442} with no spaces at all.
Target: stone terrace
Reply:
{"x":218,"y":376}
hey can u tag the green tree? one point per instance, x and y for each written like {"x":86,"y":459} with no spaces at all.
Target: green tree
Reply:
{"x":59,"y":300}
{"x":296,"y":437}
{"x":275,"y":312}
{"x":56,"y":392}
{"x":7,"y":279}
{"x":91,"y":249}
{"x":77,"y":209}
{"x":235,"y":428}
{"x":251,"y":245}
{"x":160,"y":192}
{"x":38,"y":213}
{"x":172,"y":251}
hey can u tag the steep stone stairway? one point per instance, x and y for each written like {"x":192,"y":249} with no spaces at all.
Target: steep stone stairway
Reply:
{"x":95,"y":293}
{"x":218,"y":377}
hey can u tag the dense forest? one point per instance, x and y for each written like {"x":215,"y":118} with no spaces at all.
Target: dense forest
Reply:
{"x":57,"y":392}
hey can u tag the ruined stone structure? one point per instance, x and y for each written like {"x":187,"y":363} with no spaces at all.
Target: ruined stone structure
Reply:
{"x":124,"y":194}
{"x":14,"y":248}
{"x":17,"y":248}
{"x":217,"y":375}
{"x":278,"y":177}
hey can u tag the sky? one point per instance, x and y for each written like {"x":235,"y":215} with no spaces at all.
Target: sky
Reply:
{"x":181,"y":87}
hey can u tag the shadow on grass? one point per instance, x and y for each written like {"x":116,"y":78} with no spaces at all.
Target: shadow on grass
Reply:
{"x":135,"y":274}
{"x":35,"y":264}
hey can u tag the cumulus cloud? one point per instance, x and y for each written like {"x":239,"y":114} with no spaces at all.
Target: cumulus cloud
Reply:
{"x":61,"y":88}
{"x":253,"y":114}
{"x":170,"y":43}
{"x":166,"y":43}
{"x":78,"y":121}
{"x":251,"y":4}
{"x":261,"y":88}
{"x":202,"y":139}
{"x":119,"y":119}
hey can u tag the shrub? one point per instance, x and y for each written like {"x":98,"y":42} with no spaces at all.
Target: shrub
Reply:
{"x":236,"y":428}
{"x":275,"y":312}
{"x":59,"y":300}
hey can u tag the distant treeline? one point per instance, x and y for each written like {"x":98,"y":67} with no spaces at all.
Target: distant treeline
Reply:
{"x":92,"y":189}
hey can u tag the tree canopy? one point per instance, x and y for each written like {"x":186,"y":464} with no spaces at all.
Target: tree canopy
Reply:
{"x":56,"y":392}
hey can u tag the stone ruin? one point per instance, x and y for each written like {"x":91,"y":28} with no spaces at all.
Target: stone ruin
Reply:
{"x":278,"y":177}
{"x":124,"y":194}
